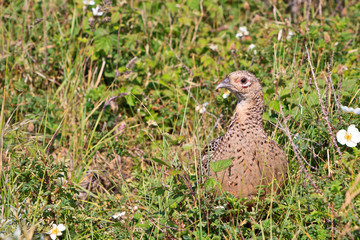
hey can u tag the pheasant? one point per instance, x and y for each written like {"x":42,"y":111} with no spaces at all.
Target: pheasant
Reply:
{"x":256,"y":160}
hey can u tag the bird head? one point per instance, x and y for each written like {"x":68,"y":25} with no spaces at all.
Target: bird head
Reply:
{"x":242,"y":84}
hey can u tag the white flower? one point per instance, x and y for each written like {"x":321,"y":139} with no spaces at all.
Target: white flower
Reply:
{"x":135,"y":208}
{"x":118,"y":215}
{"x":96,"y":12}
{"x":356,"y":111}
{"x":56,"y":231}
{"x":213,"y":47}
{"x":238,"y":35}
{"x":242,"y":32}
{"x":226,"y":94}
{"x":351,"y":137}
{"x":151,"y":122}
{"x":88,"y":2}
{"x":222,"y":207}
{"x":289,"y":35}
{"x":201,"y":108}
{"x":251,"y":47}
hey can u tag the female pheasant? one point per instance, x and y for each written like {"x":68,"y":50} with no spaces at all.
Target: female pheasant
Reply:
{"x":256,"y":160}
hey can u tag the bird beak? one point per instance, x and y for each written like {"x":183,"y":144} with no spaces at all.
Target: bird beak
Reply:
{"x":224,"y":84}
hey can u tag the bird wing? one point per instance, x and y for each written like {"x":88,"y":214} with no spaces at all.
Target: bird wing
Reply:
{"x":207,"y":153}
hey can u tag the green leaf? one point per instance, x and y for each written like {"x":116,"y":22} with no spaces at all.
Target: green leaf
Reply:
{"x":187,"y":147}
{"x":99,"y":32}
{"x":161,"y":162}
{"x":137,"y":90}
{"x":115,"y":17}
{"x":193,"y":4}
{"x":275,"y":105}
{"x":220,"y":165}
{"x":174,"y":172}
{"x":103,"y":43}
{"x":210,"y":184}
{"x":130,"y":100}
{"x":171,"y":6}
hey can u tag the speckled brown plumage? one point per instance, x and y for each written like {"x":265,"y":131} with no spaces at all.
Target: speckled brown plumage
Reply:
{"x":256,"y":160}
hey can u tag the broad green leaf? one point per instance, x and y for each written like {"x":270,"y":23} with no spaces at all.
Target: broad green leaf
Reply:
{"x":99,"y":32}
{"x":220,"y":165}
{"x":103,"y":43}
{"x":130,"y":100}
{"x":210,"y":183}
{"x":275,"y":105}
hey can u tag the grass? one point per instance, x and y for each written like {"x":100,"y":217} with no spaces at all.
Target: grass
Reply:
{"x":98,"y":117}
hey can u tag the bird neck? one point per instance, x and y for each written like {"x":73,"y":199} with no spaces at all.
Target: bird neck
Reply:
{"x":249,"y":111}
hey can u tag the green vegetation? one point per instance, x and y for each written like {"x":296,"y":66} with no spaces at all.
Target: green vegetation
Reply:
{"x":100,"y":129}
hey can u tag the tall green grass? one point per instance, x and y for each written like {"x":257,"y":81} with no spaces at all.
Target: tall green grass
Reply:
{"x":60,"y":131}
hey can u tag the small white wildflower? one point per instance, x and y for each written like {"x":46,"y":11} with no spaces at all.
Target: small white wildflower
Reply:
{"x":351,"y":137}
{"x":290,"y":34}
{"x":88,"y":2}
{"x":96,"y":12}
{"x":280,"y":34}
{"x":201,"y":108}
{"x":213,"y":47}
{"x":151,"y":122}
{"x":135,"y":208}
{"x":118,"y":215}
{"x":56,"y":231}
{"x":356,"y":111}
{"x":238,"y":35}
{"x":242,"y":32}
{"x":251,"y":47}
{"x":221,"y":207}
{"x":226,"y":94}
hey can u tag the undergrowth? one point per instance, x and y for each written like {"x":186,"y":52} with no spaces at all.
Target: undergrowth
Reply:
{"x":101,"y":128}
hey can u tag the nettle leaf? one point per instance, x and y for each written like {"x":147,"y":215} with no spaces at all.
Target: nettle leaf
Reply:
{"x":193,"y":4}
{"x":104,"y":43}
{"x":130,"y":100}
{"x":220,"y":165}
{"x":171,"y":6}
{"x":99,"y":32}
{"x":275,"y":105}
{"x":115,"y":17}
{"x":137,"y":90}
{"x":210,"y":183}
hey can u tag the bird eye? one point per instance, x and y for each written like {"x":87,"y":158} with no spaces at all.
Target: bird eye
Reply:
{"x":244,"y":80}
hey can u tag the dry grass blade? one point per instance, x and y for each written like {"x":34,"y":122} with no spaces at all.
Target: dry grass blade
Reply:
{"x":296,"y":150}
{"x":324,"y":111}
